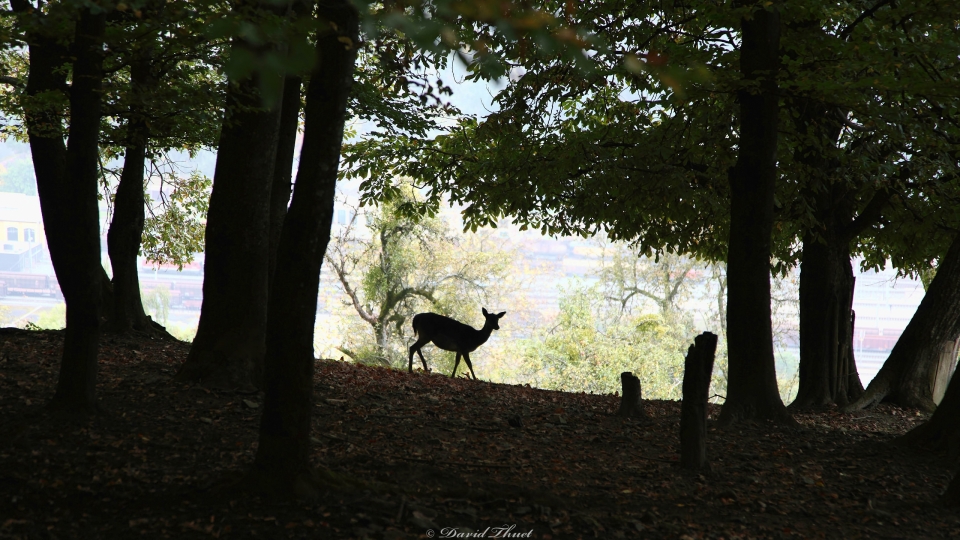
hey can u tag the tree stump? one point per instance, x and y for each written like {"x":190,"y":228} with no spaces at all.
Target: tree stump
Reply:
{"x":693,"y":409}
{"x":630,"y":406}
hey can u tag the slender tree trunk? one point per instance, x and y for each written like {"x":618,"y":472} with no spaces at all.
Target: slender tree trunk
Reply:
{"x":126,"y":228}
{"x":123,"y":243}
{"x":282,"y":464}
{"x":752,"y":384}
{"x":909,"y":375}
{"x":67,"y":186}
{"x":286,"y":148}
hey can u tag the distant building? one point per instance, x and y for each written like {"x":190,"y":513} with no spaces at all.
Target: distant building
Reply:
{"x":21,"y":231}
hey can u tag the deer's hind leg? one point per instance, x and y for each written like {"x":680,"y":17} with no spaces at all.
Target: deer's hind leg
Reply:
{"x":455,"y":364}
{"x":466,"y":358}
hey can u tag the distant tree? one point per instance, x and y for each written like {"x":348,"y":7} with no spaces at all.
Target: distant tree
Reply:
{"x":156,"y":302}
{"x":398,"y":266}
{"x":19,"y":178}
{"x":634,"y":318}
{"x":593,"y":341}
{"x":667,"y":281}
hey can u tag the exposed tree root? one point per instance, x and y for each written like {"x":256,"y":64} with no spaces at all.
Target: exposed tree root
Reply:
{"x":746,"y":412}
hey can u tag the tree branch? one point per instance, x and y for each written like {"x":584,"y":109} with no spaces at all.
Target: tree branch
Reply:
{"x":11,"y":81}
{"x":871,"y":214}
{"x":845,"y":33}
{"x":354,"y":298}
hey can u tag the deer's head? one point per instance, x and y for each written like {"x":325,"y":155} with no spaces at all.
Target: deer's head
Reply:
{"x":492,"y":319}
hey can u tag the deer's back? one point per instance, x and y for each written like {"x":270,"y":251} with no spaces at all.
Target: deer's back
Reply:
{"x":436,"y":323}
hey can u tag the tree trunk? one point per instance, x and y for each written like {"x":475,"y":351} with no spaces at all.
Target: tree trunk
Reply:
{"x":942,"y":430}
{"x":126,"y":228}
{"x":909,"y":375}
{"x":282,"y":465}
{"x":286,"y":148}
{"x":228,"y":349}
{"x":631,"y":405}
{"x":828,"y":374}
{"x":752,"y":380}
{"x":945,"y":368}
{"x":67,"y":186}
{"x":123,"y":243}
{"x":693,"y":409}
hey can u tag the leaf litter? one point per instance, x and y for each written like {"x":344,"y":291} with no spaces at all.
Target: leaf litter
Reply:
{"x":439,"y":456}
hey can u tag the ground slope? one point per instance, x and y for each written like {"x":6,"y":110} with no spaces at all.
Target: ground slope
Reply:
{"x":437,"y":457}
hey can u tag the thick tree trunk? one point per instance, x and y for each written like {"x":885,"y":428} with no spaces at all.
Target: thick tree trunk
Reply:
{"x":693,"y":410}
{"x":942,"y":430}
{"x":945,"y":368}
{"x":126,"y":228}
{"x":909,"y":376}
{"x":752,"y":381}
{"x":228,"y":349}
{"x":282,"y":466}
{"x":67,"y":186}
{"x":828,"y":374}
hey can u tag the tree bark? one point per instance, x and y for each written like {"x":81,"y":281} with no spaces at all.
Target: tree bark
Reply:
{"x":945,"y":368}
{"x":828,"y":372}
{"x":942,"y":430}
{"x":123,"y":242}
{"x":282,"y":465}
{"x":631,"y":405}
{"x":752,"y":380}
{"x":67,"y":187}
{"x":286,"y":148}
{"x":693,"y":409}
{"x":228,"y":349}
{"x":909,"y":375}
{"x":126,"y":228}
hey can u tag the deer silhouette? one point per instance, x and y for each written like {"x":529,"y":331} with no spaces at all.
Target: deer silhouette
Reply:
{"x":451,"y":335}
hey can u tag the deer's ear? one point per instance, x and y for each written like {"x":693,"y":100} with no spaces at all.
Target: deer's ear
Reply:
{"x":501,"y":314}
{"x":485,"y":312}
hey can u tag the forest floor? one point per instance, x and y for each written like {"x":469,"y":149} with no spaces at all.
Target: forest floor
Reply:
{"x":437,"y":458}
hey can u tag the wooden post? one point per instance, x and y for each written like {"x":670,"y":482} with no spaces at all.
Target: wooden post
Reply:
{"x":693,"y":410}
{"x":630,"y":405}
